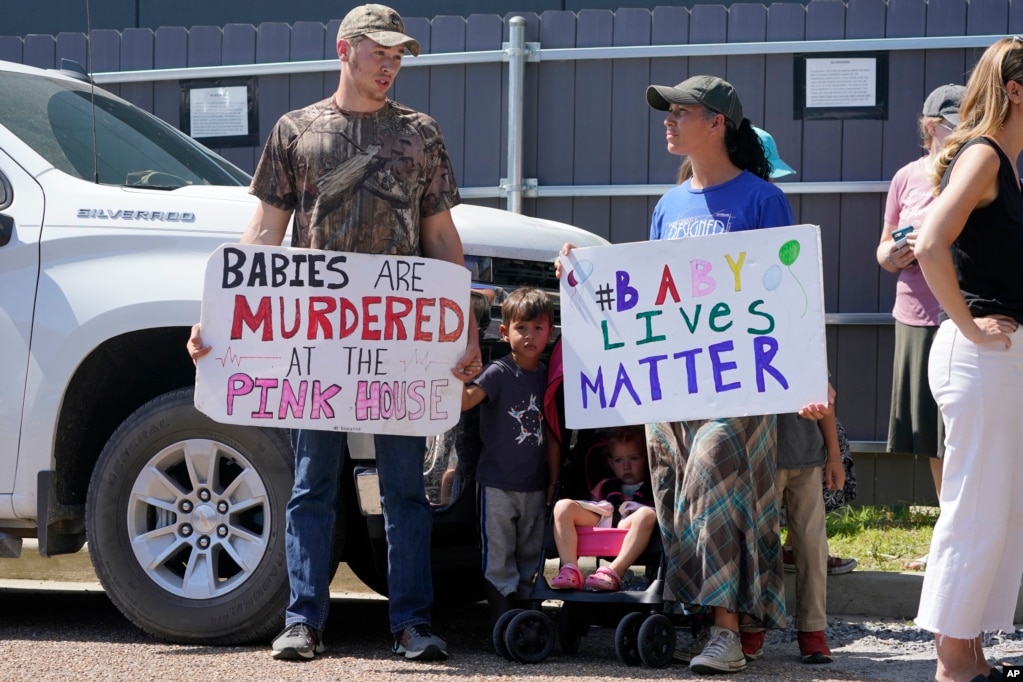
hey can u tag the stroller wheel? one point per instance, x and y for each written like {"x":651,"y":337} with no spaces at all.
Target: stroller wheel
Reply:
{"x":500,"y":628}
{"x":530,"y":637}
{"x":627,"y":637}
{"x":570,"y":630}
{"x":656,"y":641}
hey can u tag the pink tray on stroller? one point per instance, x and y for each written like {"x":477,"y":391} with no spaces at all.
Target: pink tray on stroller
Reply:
{"x":600,"y":541}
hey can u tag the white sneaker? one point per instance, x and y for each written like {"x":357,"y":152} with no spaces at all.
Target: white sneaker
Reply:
{"x":723,"y":653}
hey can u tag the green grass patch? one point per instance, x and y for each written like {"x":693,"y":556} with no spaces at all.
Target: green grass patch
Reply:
{"x":881,"y":538}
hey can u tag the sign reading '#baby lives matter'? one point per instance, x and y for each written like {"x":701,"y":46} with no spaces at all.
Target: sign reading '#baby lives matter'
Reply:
{"x":725,"y":325}
{"x":332,"y":341}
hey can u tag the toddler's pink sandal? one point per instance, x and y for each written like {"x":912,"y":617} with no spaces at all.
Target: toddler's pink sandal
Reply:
{"x":568,"y":578}
{"x":603,"y":580}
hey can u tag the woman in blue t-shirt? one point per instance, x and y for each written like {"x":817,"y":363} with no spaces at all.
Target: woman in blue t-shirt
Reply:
{"x":714,"y":479}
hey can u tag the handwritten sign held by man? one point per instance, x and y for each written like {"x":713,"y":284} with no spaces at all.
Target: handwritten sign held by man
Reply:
{"x":333,"y":341}
{"x":721,"y":326}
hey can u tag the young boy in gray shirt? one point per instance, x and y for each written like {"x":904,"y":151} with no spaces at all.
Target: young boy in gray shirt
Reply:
{"x":519,"y":463}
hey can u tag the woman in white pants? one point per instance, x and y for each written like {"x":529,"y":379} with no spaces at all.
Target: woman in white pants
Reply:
{"x":970,"y":249}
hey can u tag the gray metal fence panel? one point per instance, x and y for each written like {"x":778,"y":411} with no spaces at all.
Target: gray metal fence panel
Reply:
{"x":670,"y":26}
{"x":106,"y":51}
{"x":171,"y":50}
{"x":447,"y":88}
{"x":307,"y":44}
{"x":137,"y":45}
{"x":239,"y":43}
{"x":11,"y":49}
{"x":595,"y":28}
{"x":555,"y":131}
{"x":485,"y":105}
{"x":585,"y":122}
{"x":413,"y":87}
{"x":40,"y":51}
{"x":71,"y":46}
{"x":273,"y":43}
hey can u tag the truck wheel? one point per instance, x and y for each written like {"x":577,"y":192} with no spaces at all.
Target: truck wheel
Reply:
{"x":185,"y":523}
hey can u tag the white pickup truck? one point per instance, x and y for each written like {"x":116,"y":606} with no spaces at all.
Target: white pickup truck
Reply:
{"x":107,"y":217}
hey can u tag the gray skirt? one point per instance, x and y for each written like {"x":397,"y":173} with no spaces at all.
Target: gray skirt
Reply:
{"x":915,"y":425}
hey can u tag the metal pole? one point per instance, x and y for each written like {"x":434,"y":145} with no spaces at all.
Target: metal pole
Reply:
{"x":516,"y":74}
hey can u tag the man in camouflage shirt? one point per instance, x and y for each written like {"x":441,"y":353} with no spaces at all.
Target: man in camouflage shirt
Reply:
{"x":359,"y":173}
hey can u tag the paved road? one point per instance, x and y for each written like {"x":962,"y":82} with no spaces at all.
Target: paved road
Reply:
{"x":50,"y":634}
{"x":53,"y":630}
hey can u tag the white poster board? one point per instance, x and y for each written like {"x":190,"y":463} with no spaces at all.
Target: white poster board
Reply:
{"x":313,"y":339}
{"x":725,"y":325}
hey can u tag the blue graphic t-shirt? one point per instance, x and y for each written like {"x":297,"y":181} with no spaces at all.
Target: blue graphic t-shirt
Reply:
{"x":743,"y":203}
{"x":514,"y":455}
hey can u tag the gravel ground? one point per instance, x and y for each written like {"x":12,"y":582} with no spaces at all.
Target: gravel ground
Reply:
{"x":80,"y":636}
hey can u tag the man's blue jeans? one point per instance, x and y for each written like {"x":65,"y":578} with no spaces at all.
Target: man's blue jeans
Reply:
{"x":311,"y":517}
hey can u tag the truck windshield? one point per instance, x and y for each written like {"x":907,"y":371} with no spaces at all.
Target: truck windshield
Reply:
{"x":125,"y":146}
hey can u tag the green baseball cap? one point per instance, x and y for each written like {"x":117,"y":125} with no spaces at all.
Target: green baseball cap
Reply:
{"x":708,"y":91}
{"x":380,"y":24}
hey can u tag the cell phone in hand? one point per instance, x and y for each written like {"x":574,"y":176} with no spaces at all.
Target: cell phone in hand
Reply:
{"x":900,"y":235}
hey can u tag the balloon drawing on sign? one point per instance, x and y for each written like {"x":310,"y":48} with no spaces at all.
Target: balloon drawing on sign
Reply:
{"x":576,"y":276}
{"x":580,"y":273}
{"x":787,"y":254}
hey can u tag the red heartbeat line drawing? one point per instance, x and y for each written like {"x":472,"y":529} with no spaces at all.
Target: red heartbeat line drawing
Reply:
{"x":423,"y":361}
{"x":230,"y":356}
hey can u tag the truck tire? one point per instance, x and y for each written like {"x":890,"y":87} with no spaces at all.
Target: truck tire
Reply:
{"x":185,"y":523}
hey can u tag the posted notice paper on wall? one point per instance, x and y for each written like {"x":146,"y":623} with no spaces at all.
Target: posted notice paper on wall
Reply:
{"x":332,"y":341}
{"x":725,"y":325}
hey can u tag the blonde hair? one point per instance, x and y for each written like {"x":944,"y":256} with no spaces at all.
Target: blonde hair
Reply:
{"x":985,"y":106}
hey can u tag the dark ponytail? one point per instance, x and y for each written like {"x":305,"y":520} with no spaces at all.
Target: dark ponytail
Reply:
{"x":746,"y":151}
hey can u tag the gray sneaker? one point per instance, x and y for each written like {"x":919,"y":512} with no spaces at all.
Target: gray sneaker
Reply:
{"x":723,"y":653}
{"x":298,"y":642}
{"x":692,"y":647}
{"x":419,"y":643}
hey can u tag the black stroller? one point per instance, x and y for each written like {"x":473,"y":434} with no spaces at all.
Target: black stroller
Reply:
{"x":643,"y":635}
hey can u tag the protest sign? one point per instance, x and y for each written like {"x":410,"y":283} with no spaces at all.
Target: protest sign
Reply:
{"x":332,"y":341}
{"x":725,"y":325}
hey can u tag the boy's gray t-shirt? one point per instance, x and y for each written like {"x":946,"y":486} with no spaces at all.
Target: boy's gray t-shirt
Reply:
{"x":800,"y":442}
{"x":512,"y":427}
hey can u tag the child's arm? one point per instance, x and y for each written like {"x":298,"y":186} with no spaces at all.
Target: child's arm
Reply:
{"x":834,"y":469}
{"x":818,"y":411}
{"x":553,"y":464}
{"x":472,"y":395}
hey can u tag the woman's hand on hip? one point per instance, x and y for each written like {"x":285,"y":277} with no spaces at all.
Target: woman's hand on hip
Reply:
{"x":993,"y":329}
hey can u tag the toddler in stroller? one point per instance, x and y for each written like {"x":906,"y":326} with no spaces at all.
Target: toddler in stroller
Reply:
{"x":615,"y":473}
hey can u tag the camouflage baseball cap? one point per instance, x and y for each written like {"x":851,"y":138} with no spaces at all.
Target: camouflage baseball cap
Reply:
{"x":380,"y":24}
{"x":707,"y":91}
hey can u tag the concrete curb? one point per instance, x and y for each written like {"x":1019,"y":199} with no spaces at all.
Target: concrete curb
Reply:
{"x":875,"y":594}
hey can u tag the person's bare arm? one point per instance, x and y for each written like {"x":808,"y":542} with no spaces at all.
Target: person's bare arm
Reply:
{"x":973,"y":183}
{"x":267,"y":227}
{"x":888,"y":256}
{"x":439,"y":239}
{"x":834,"y":468}
{"x":472,"y":395}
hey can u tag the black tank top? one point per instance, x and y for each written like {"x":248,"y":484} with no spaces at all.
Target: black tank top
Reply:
{"x":988,"y":253}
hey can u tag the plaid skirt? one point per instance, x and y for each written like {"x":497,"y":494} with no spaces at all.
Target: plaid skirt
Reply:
{"x":713,"y":484}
